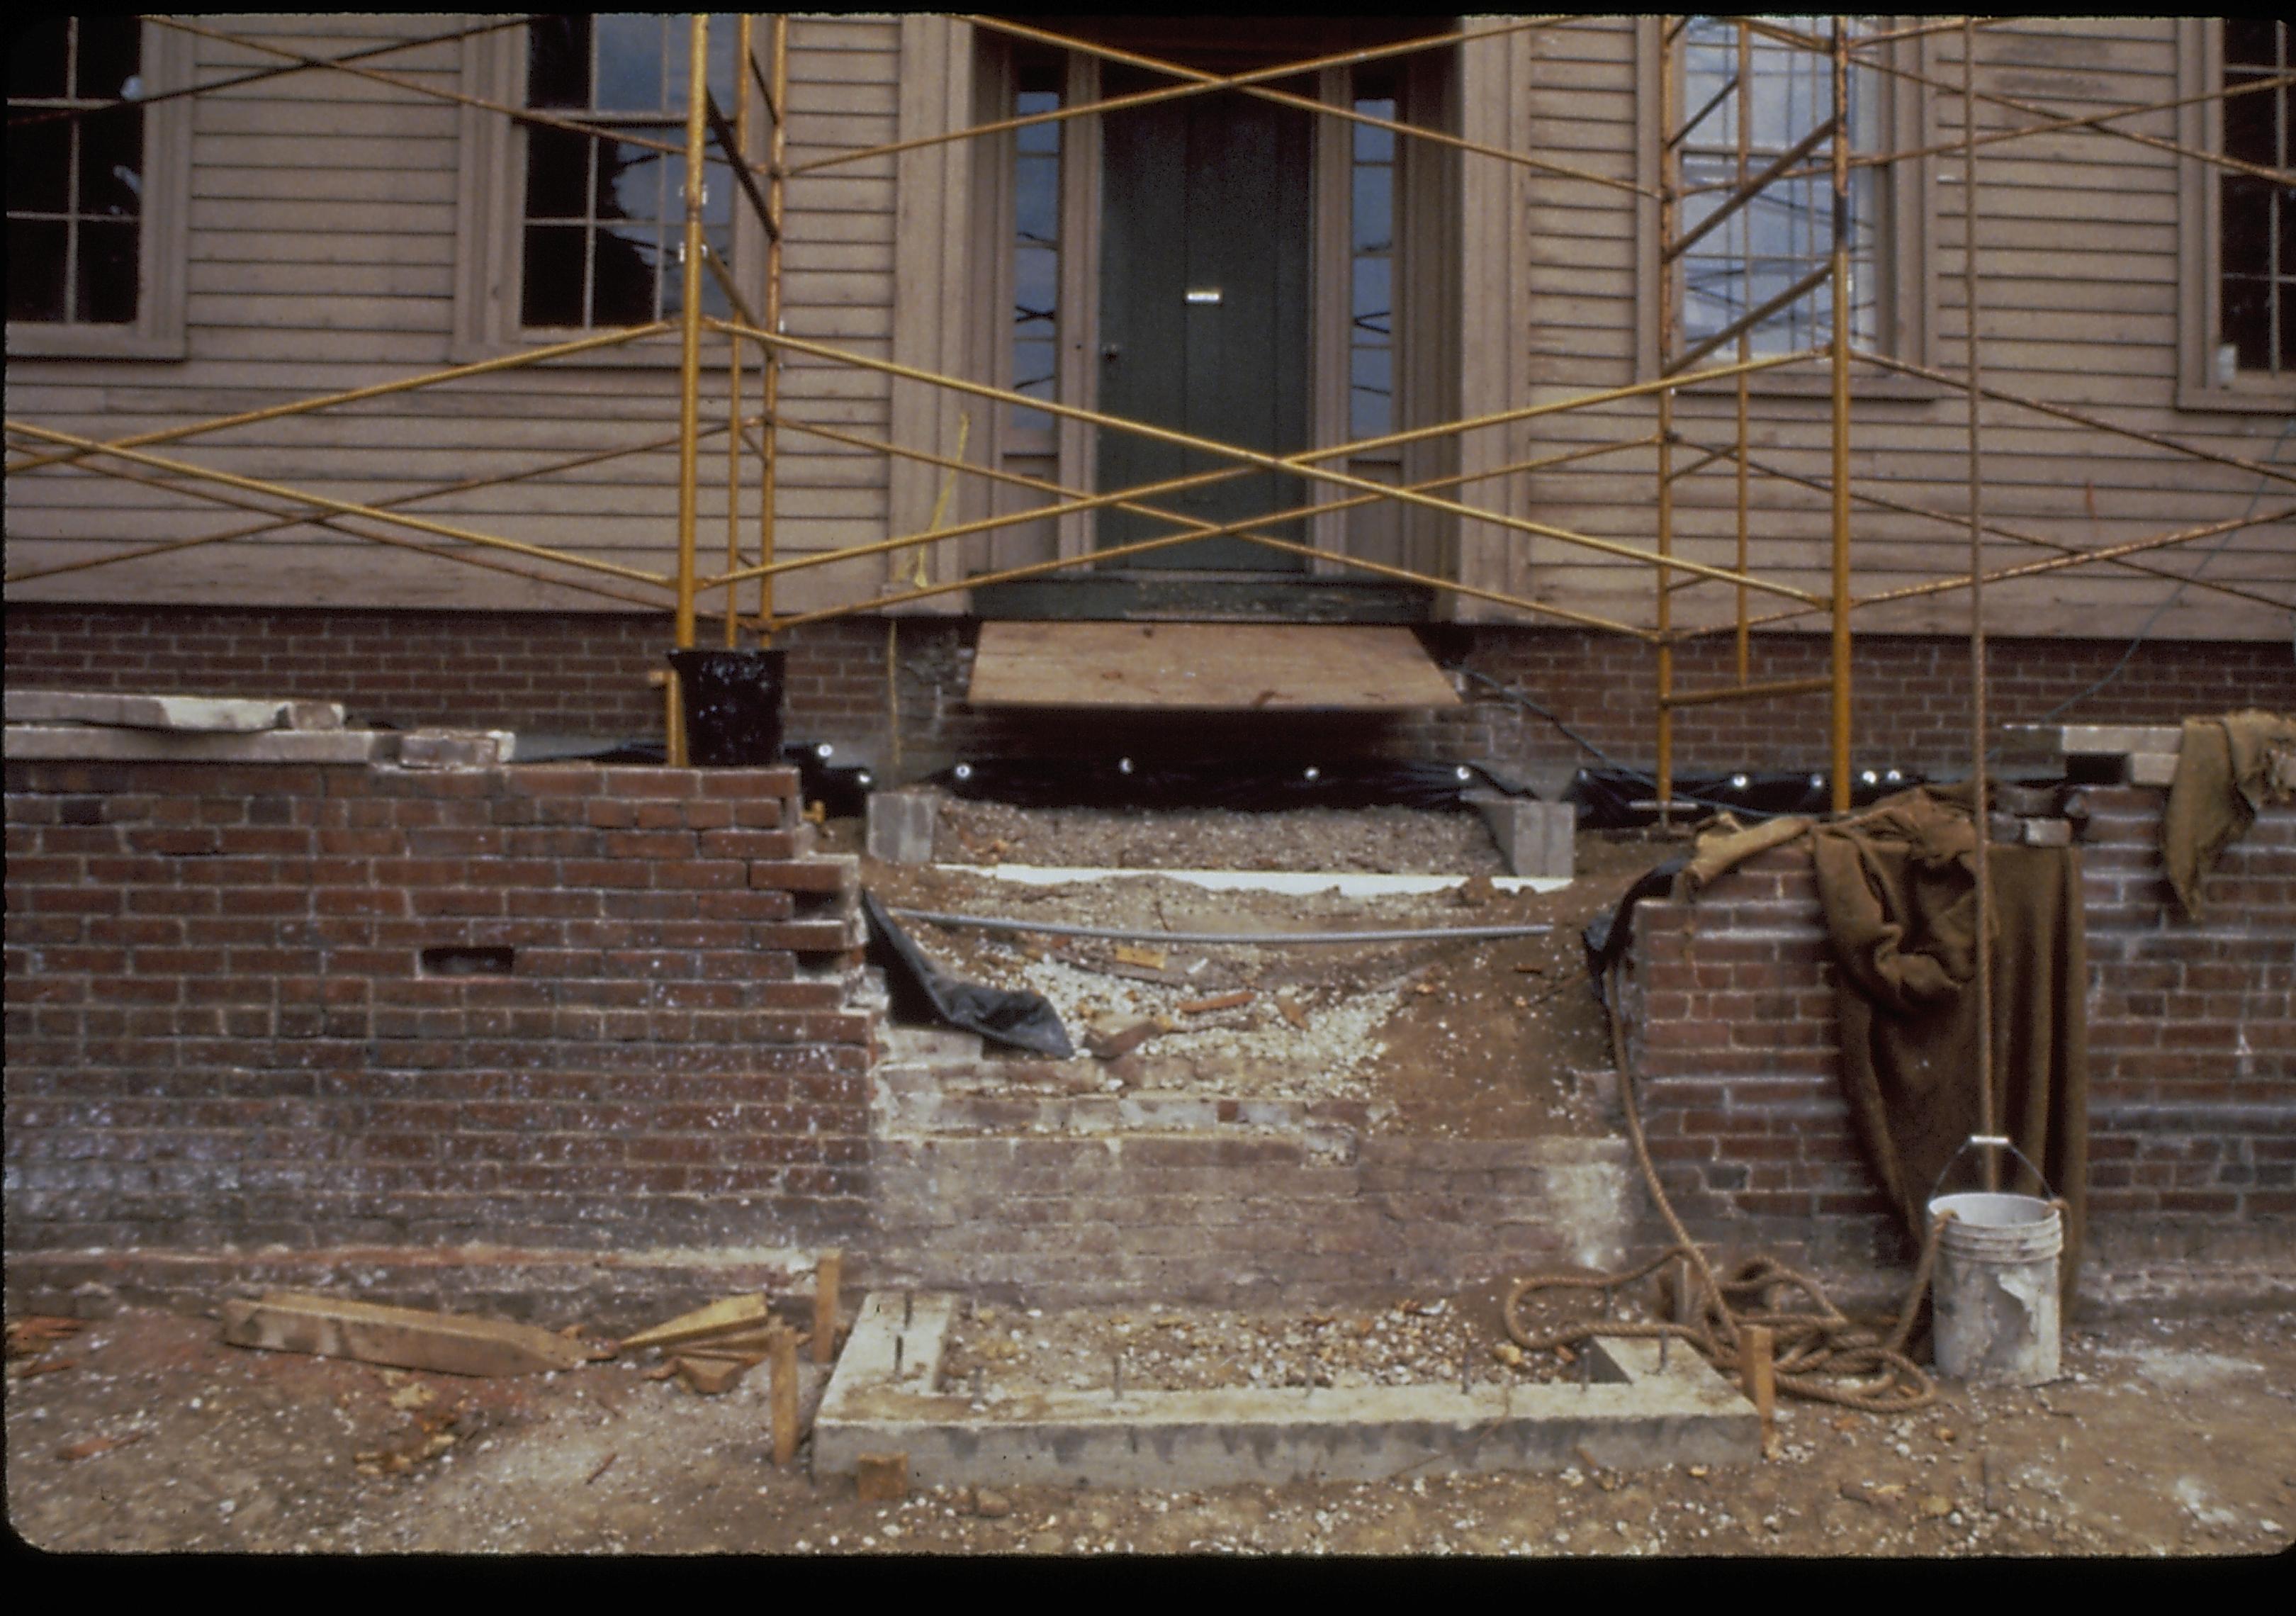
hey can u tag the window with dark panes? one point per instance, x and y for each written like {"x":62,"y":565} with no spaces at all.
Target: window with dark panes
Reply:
{"x":604,"y":218}
{"x":75,"y":171}
{"x":1036,"y":238}
{"x":2256,"y":288}
{"x":1787,"y":232}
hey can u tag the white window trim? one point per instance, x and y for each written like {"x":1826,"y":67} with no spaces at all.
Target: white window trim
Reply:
{"x":162,"y":238}
{"x":1907,"y":257}
{"x":490,"y":189}
{"x":2199,"y":227}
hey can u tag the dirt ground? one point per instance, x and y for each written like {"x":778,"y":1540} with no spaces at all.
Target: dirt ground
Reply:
{"x":1475,"y":1038}
{"x":144,"y":1432}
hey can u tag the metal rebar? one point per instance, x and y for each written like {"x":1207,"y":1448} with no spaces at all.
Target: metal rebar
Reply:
{"x":1981,"y":804}
{"x":989,"y":922}
{"x":1670,"y":161}
{"x":1838,"y":732}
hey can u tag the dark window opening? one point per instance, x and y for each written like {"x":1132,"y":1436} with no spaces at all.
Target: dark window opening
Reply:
{"x":468,"y":962}
{"x":75,"y":171}
{"x":2256,"y":236}
{"x":604,"y":220}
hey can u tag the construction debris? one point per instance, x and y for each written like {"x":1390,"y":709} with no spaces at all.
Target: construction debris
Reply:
{"x":882,"y":1478}
{"x":1219,"y":1001}
{"x":29,"y":1337}
{"x":1111,"y":1036}
{"x":94,"y":1445}
{"x":410,"y":1338}
{"x":730,"y":1316}
{"x":711,"y":1376}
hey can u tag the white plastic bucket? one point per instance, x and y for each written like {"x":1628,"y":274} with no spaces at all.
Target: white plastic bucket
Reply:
{"x":1996,"y":1288}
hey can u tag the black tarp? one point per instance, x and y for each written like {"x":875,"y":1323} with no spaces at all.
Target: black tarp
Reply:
{"x":1125,"y":783}
{"x":921,"y":993}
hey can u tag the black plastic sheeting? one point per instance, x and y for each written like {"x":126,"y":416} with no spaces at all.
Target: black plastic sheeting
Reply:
{"x":1606,"y":936}
{"x":733,"y":706}
{"x":1605,"y":796}
{"x":920,"y":992}
{"x":1124,"y":784}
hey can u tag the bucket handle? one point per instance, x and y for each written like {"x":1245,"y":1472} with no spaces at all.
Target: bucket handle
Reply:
{"x":2001,"y":1140}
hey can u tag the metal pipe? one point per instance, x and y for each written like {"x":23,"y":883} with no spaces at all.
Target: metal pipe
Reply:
{"x":1300,"y":464}
{"x":1946,"y":378}
{"x":1839,"y":722}
{"x":557,"y":350}
{"x":1743,"y":647}
{"x":989,"y":922}
{"x":342,"y":507}
{"x":739,"y":154}
{"x":1748,"y":321}
{"x":1747,"y":190}
{"x":1996,"y":529}
{"x":1750,"y":693}
{"x":777,"y":197}
{"x":415,"y":86}
{"x":1981,"y":804}
{"x":1669,"y":169}
{"x":689,"y":366}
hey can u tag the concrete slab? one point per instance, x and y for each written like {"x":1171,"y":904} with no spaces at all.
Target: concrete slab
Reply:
{"x":91,"y":743}
{"x":195,"y":715}
{"x":1297,"y":883}
{"x":1632,"y":1414}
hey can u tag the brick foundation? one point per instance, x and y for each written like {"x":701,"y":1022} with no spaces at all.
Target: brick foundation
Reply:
{"x":2192,"y":1039}
{"x":585,"y":673}
{"x":558,"y":1008}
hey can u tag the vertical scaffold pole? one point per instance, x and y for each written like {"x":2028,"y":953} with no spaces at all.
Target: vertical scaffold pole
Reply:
{"x":777,"y":148}
{"x":1664,"y":622}
{"x":1839,"y":726}
{"x":689,"y":375}
{"x":1742,"y":115}
{"x":1978,"y":721}
{"x":735,"y":372}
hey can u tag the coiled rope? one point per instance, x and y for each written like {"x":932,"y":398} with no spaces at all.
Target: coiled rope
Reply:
{"x":1820,"y":1353}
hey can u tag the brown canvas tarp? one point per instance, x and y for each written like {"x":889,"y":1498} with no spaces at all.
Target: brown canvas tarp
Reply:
{"x":2223,"y":776}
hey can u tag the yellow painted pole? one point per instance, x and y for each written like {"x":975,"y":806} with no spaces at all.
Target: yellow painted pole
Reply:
{"x":689,"y":370}
{"x":734,"y":377}
{"x":1840,"y":727}
{"x":1664,"y":707}
{"x":777,"y":182}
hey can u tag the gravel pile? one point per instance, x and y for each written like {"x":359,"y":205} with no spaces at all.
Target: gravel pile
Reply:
{"x":1399,"y":841}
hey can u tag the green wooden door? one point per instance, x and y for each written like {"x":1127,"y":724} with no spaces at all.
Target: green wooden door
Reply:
{"x":1203,"y":310}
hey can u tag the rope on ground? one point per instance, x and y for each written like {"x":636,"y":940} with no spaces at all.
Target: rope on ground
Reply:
{"x":1820,"y":1353}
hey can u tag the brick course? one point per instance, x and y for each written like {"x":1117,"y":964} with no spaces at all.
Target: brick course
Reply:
{"x":585,"y":674}
{"x":2191,"y":1040}
{"x":323,"y":1007}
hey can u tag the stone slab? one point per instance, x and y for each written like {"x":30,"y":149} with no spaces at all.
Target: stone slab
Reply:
{"x":1536,"y":838}
{"x":195,"y":715}
{"x":900,"y":828}
{"x":1632,"y":1414}
{"x":90,"y":743}
{"x":2096,"y":739}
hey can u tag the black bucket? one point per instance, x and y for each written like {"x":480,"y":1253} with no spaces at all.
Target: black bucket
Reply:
{"x":731,"y":703}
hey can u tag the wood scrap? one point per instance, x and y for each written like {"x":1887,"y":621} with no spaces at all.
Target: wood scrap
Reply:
{"x":410,"y":1338}
{"x":94,"y":1445}
{"x":1219,"y":1001}
{"x":29,"y":1337}
{"x":709,"y":1376}
{"x":728,"y":1316}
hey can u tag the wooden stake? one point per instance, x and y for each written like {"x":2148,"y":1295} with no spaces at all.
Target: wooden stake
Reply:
{"x":1756,"y":1374}
{"x":785,"y":1396}
{"x":827,"y":1275}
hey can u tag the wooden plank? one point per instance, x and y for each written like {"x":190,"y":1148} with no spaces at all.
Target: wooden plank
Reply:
{"x":1225,"y":667}
{"x":725,"y":1317}
{"x":408,"y":1338}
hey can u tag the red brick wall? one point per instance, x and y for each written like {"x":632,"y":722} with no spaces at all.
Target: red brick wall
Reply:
{"x":221,"y":1030}
{"x":2192,"y":1035}
{"x":585,"y":674}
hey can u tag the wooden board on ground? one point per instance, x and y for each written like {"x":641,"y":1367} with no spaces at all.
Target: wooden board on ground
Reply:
{"x":726,"y":1317}
{"x":406,"y":1338}
{"x":1218,"y":667}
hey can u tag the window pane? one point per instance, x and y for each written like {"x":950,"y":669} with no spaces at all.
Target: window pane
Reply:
{"x":35,"y":62}
{"x":625,"y":275}
{"x":2248,"y":320}
{"x":109,"y":48}
{"x":558,"y":62}
{"x":112,"y":163}
{"x":2248,"y":120}
{"x":35,"y":269}
{"x":1375,"y":145}
{"x":554,"y":276}
{"x":2247,"y":226}
{"x":2286,"y":363}
{"x":630,"y":64}
{"x":1036,"y":290}
{"x":39,"y":168}
{"x":1036,"y":198}
{"x":1374,"y":208}
{"x":557,"y":174}
{"x":2248,"y":41}
{"x":1374,"y":297}
{"x":676,"y":49}
{"x":107,"y":272}
{"x":630,"y":181}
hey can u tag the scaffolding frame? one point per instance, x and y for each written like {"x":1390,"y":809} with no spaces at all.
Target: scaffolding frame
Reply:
{"x":752,"y":439}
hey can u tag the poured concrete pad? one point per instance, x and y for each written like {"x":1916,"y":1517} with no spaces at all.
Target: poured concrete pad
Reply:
{"x":1632,"y":1414}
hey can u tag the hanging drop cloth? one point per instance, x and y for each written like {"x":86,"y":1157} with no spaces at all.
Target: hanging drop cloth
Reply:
{"x":2223,"y":774}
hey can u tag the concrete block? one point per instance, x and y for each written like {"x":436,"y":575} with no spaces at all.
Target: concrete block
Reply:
{"x":92,"y":744}
{"x":435,"y":748}
{"x":2150,"y":768}
{"x":901,"y":827}
{"x":1635,"y":1412}
{"x":1534,"y":838}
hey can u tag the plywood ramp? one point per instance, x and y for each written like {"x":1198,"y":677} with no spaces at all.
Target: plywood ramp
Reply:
{"x":1220,"y":667}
